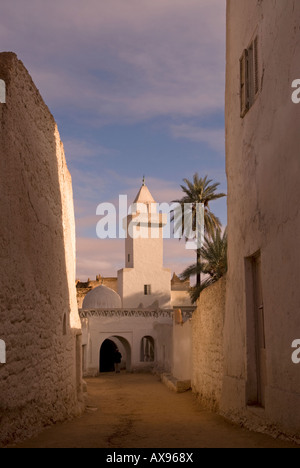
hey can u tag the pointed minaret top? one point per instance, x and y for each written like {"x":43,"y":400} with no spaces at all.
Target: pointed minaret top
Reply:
{"x":144,"y":195}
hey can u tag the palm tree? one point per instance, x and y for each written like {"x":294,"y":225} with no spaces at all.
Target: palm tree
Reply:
{"x":201,"y":191}
{"x":213,"y":263}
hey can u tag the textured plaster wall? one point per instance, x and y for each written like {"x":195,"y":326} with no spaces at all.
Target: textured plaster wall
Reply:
{"x":41,"y":381}
{"x":182,"y":351}
{"x":208,"y":357}
{"x":131,"y":282}
{"x":263,"y":172}
{"x":164,"y":346}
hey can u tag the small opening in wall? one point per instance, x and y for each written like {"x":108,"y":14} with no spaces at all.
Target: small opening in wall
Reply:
{"x":65,"y":325}
{"x":147,"y":290}
{"x":129,"y":258}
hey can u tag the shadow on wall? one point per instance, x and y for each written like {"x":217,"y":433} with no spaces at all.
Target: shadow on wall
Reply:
{"x":157,"y":301}
{"x":38,"y":313}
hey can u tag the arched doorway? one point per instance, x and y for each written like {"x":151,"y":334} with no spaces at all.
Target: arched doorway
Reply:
{"x":107,"y":353}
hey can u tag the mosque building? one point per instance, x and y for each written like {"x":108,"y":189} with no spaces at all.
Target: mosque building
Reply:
{"x":134,"y":311}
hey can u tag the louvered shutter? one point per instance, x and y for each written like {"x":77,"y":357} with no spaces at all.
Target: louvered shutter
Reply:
{"x":244,"y":83}
{"x":255,"y":66}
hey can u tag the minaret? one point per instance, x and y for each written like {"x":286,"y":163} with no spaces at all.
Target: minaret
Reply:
{"x":144,"y":281}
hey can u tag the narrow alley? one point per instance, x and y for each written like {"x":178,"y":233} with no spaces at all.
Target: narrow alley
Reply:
{"x":138,"y":411}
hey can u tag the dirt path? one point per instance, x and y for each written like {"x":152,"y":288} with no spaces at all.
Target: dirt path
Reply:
{"x":137,"y":411}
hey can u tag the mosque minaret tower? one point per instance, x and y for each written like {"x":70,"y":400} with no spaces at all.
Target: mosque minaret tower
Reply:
{"x":144,"y":282}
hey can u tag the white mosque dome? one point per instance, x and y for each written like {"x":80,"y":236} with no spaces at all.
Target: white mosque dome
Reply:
{"x":102,"y":298}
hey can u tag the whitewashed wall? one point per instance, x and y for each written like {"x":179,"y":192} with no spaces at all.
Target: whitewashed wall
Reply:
{"x":41,"y":381}
{"x":263,"y":211}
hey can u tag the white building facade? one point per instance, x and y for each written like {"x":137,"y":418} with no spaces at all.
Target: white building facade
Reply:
{"x":144,"y":338}
{"x":139,"y":320}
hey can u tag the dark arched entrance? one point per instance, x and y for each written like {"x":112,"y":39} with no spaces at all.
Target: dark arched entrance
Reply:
{"x":107,"y":354}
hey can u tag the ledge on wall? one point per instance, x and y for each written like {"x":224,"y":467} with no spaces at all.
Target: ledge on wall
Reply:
{"x":178,"y":386}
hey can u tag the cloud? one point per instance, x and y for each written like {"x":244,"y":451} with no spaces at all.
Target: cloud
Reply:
{"x":122,"y":61}
{"x":214,"y":138}
{"x":163,"y":191}
{"x":106,"y":257}
{"x":102,"y":62}
{"x":91,"y":190}
{"x":79,"y":150}
{"x":176,"y":256}
{"x":95,"y":256}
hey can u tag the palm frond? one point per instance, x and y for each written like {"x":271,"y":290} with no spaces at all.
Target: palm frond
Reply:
{"x":197,"y":290}
{"x":213,"y":264}
{"x":199,"y":190}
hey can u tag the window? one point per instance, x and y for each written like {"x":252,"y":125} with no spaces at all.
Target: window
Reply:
{"x":249,"y":77}
{"x":129,"y":258}
{"x":147,"y":290}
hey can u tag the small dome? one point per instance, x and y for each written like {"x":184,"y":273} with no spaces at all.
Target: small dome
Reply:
{"x":102,"y":298}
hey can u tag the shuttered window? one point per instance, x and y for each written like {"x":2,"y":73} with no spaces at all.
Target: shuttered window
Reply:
{"x":244,"y":83}
{"x":255,"y":64}
{"x":249,"y":77}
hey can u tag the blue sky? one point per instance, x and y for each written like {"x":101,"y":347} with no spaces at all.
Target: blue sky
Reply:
{"x":136,"y":87}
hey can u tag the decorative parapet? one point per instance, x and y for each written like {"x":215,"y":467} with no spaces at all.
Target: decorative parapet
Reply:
{"x":164,"y":313}
{"x":160,"y":313}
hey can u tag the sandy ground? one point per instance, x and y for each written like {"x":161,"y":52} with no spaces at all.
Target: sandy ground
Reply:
{"x":137,"y":411}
